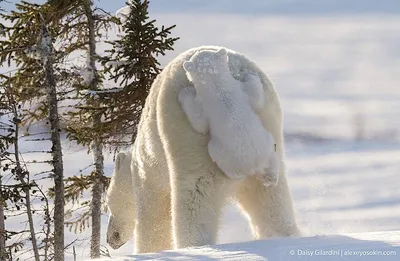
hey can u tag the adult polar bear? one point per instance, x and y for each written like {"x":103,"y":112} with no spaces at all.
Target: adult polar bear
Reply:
{"x":178,"y":191}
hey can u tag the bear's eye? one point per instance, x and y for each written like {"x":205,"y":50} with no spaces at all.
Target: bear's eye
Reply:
{"x":116,"y":236}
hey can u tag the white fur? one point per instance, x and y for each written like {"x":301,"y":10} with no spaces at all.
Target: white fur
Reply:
{"x":179,"y":191}
{"x":120,"y":202}
{"x":226,"y":107}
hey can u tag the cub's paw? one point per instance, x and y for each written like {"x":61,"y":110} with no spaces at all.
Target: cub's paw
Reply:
{"x":270,"y":175}
{"x":253,"y":87}
{"x":268,"y":179}
{"x":251,"y":77}
{"x":186,"y":94}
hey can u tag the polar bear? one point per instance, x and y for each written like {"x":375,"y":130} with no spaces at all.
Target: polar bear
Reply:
{"x":178,"y":190}
{"x":226,"y":108}
{"x":121,"y":223}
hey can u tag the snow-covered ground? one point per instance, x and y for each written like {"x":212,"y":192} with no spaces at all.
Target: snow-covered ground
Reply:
{"x":381,"y":246}
{"x":338,"y":79}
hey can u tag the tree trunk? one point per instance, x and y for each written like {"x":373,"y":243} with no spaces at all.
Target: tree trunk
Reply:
{"x":56,"y":151}
{"x":96,"y":146}
{"x":21,"y":176}
{"x":97,"y":190}
{"x":2,"y":229}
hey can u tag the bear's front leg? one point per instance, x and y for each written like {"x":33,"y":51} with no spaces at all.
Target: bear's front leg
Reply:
{"x":254,"y":91}
{"x":193,"y":109}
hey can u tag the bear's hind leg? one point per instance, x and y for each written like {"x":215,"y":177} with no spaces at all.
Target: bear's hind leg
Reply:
{"x":197,"y":201}
{"x":269,"y":208}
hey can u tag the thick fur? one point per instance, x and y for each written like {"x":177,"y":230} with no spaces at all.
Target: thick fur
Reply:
{"x":120,"y":202}
{"x":220,"y":105}
{"x":179,"y":191}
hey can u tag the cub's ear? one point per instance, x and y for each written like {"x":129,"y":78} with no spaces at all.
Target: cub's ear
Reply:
{"x":188,"y":66}
{"x":119,"y":159}
{"x":222,"y":54}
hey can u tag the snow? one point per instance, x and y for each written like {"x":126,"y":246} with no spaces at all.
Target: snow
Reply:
{"x":95,"y":93}
{"x":90,"y":93}
{"x":87,"y":72}
{"x":381,"y":246}
{"x":46,"y":43}
{"x":33,"y":53}
{"x":116,"y":64}
{"x":87,"y":75}
{"x":46,"y":47}
{"x":123,"y":14}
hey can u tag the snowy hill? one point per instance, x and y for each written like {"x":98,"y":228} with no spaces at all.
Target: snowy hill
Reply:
{"x":382,"y":246}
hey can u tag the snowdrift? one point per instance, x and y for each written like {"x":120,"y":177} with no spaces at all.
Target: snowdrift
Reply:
{"x":380,"y":246}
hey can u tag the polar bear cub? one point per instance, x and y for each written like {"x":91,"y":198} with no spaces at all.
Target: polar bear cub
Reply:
{"x":227,"y":108}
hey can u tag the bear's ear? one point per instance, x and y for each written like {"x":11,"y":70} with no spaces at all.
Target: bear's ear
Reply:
{"x":188,"y":66}
{"x":222,"y":54}
{"x":119,"y":160}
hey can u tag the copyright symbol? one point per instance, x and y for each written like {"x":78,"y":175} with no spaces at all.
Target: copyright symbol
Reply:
{"x":292,"y":252}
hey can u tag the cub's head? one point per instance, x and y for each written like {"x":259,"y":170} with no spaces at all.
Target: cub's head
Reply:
{"x":121,"y":223}
{"x":205,"y":65}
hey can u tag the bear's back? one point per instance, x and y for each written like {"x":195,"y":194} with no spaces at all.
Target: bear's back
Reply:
{"x":162,"y":118}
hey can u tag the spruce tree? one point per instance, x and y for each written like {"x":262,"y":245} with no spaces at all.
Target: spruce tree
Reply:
{"x":3,"y":147}
{"x":56,"y":150}
{"x":6,"y":140}
{"x":17,"y":192}
{"x":29,"y":45}
{"x":96,"y":144}
{"x":84,"y":26}
{"x":132,"y":62}
{"x":6,"y":193}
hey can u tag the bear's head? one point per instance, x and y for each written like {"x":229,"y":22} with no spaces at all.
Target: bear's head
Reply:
{"x":121,"y":223}
{"x":206,"y":65}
